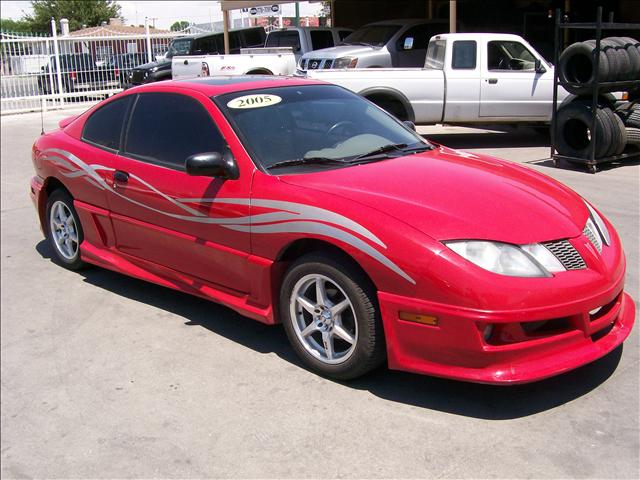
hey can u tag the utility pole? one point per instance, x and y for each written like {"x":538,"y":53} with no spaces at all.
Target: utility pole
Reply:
{"x":297,"y":14}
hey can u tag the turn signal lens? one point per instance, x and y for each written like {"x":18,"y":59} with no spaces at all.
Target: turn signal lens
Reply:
{"x":419,"y":318}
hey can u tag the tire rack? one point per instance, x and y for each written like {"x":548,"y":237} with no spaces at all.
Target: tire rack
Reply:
{"x":598,"y":26}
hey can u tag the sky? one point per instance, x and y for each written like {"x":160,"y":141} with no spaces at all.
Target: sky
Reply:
{"x":165,"y":12}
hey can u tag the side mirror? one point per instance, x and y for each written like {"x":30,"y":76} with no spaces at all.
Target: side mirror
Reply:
{"x":408,"y":43}
{"x":538,"y":66}
{"x":212,"y":164}
{"x":410,"y":125}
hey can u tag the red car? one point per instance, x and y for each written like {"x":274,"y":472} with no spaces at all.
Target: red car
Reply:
{"x":294,"y":201}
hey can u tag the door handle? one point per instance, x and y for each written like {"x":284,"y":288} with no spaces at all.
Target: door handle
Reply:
{"x":493,"y":81}
{"x":120,"y":177}
{"x":186,"y":62}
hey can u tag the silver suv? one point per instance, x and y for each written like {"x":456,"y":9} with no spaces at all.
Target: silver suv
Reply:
{"x":392,"y":43}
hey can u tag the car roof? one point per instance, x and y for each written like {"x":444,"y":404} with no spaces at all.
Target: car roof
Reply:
{"x":212,"y":86}
{"x":407,"y":22}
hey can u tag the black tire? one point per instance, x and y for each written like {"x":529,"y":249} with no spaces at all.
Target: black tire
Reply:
{"x":72,"y":262}
{"x":369,"y":349}
{"x":574,"y":137}
{"x":612,"y":46}
{"x":576,"y":66}
{"x":633,"y":136}
{"x":618,"y":133}
{"x":629,"y":45}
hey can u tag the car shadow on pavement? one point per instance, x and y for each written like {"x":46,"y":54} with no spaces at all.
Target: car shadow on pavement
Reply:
{"x":460,"y":398}
{"x":508,"y":138}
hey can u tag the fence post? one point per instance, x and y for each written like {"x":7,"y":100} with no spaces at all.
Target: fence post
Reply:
{"x":56,"y":52}
{"x":146,"y":34}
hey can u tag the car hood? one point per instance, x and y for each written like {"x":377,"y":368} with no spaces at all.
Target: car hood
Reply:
{"x":449,"y":195}
{"x":147,"y":66}
{"x":341,"y":51}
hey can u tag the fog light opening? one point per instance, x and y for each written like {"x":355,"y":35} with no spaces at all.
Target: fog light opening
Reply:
{"x":487,"y":332}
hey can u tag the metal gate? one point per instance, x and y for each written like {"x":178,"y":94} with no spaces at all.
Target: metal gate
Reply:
{"x":47,"y":72}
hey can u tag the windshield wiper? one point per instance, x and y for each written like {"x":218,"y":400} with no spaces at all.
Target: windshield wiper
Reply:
{"x":307,"y":161}
{"x":392,"y":147}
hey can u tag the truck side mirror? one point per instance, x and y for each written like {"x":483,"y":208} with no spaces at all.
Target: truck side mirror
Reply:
{"x":408,"y":43}
{"x":538,"y":66}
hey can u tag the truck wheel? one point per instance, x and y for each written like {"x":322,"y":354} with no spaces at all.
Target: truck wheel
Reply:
{"x":64,"y":230}
{"x":331,"y":316}
{"x":574,"y":137}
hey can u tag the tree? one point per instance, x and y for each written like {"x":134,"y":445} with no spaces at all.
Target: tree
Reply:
{"x":14,"y":26}
{"x":78,"y":12}
{"x":180,"y":25}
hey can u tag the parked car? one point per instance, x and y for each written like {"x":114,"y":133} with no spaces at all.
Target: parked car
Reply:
{"x":209,"y":43}
{"x":467,"y":78}
{"x":123,"y":63}
{"x":294,"y":201}
{"x":278,"y":56}
{"x":392,"y":43}
{"x":78,"y":72}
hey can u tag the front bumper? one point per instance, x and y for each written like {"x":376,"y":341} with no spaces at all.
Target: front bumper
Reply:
{"x":456,"y":347}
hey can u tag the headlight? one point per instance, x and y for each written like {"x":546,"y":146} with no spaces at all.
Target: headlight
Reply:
{"x":153,"y":69}
{"x":599,"y":223}
{"x":345,"y":62}
{"x":505,"y":259}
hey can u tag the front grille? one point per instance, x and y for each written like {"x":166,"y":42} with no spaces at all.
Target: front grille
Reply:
{"x":593,"y":236}
{"x":566,"y":254}
{"x":328,"y":64}
{"x":137,"y":76}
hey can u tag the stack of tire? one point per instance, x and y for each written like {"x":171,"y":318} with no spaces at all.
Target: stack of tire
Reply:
{"x":617,"y":124}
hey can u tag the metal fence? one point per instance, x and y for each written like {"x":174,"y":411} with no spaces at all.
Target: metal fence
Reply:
{"x":52,"y":72}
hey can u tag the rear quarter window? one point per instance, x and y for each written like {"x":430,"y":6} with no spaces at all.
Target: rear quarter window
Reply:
{"x":104,"y":127}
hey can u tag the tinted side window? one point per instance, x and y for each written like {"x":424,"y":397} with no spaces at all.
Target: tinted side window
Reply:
{"x":104,"y":126}
{"x":253,"y":38}
{"x":287,"y":38}
{"x":166,"y":128}
{"x":420,"y":35}
{"x":464,"y":54}
{"x":321,"y":39}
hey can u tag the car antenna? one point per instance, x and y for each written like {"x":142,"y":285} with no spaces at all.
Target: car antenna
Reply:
{"x":42,"y":116}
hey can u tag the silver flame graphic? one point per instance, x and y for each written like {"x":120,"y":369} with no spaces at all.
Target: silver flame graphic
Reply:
{"x":289,"y":217}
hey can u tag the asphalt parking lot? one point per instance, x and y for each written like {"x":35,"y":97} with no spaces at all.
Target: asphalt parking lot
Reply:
{"x":107,"y":376}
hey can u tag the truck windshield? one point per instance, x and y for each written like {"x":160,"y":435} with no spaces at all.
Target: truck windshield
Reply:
{"x":179,"y":46}
{"x":314,"y":127}
{"x":374,"y":35}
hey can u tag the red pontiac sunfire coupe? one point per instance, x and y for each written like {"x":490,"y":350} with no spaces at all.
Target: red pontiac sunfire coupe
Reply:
{"x":294,"y":201}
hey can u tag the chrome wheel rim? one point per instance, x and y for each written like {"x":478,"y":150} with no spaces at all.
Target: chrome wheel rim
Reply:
{"x":324,"y":319}
{"x":64,"y":230}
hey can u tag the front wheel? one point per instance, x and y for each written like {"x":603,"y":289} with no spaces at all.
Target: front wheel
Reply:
{"x":64,"y":230}
{"x":331,"y":316}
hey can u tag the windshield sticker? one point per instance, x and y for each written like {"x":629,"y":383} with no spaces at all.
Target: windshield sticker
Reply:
{"x":254,"y":101}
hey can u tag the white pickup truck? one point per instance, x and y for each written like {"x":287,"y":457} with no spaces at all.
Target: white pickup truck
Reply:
{"x":279,"y":56}
{"x":467,"y":78}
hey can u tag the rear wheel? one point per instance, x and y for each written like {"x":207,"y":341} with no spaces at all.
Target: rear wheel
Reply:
{"x":64,"y":230}
{"x":330,"y":313}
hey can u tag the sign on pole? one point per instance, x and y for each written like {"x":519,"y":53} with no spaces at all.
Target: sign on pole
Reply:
{"x":267,"y":11}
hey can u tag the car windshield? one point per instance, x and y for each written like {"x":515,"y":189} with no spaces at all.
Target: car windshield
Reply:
{"x":374,"y":35}
{"x":179,"y":47}
{"x":313,"y":127}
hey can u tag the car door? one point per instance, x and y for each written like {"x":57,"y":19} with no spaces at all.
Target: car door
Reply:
{"x":510,"y":85}
{"x":163,"y":215}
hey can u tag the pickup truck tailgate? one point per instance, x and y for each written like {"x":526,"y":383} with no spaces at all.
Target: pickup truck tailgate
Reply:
{"x":187,"y":67}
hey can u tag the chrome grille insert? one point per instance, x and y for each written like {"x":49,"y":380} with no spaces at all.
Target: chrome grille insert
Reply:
{"x":566,"y":254}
